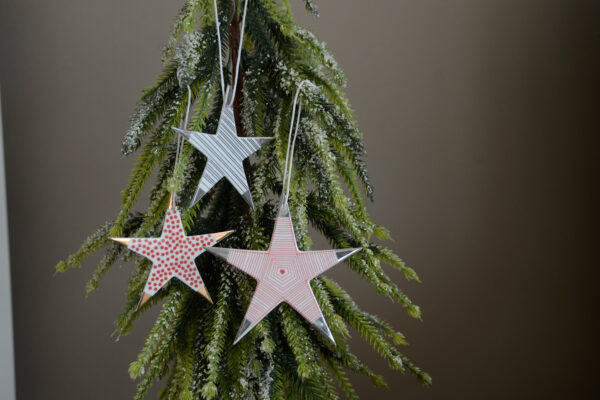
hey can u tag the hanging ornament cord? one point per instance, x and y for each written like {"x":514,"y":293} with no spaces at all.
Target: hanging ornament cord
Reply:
{"x":289,"y":155}
{"x":231,"y":94}
{"x":179,"y":148}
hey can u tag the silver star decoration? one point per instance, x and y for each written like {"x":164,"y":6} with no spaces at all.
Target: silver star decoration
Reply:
{"x":225,"y":152}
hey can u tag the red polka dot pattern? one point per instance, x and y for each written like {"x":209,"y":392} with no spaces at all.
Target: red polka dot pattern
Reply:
{"x":172,"y":254}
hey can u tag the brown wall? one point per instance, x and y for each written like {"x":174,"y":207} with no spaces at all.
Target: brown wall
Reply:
{"x":478,"y":119}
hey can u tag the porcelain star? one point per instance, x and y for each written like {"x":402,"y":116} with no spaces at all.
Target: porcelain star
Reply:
{"x":283,"y":274}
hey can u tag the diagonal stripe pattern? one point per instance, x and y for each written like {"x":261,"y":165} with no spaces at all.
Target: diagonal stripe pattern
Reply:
{"x":225,"y":152}
{"x":283,"y":273}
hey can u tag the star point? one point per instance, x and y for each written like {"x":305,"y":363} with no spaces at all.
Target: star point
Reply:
{"x":245,"y":327}
{"x":204,"y":293}
{"x":143,"y":300}
{"x":222,"y":235}
{"x":124,"y":241}
{"x":321,"y":325}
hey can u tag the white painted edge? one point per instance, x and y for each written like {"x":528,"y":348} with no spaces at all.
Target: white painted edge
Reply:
{"x":7,"y":364}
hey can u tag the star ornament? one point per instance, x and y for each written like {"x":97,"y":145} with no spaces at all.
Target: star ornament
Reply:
{"x":225,"y":152}
{"x":283,"y":273}
{"x":172,"y":255}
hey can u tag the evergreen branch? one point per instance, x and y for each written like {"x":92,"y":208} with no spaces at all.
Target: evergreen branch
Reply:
{"x":350,"y":179}
{"x":107,"y":261}
{"x":267,"y":344}
{"x":346,"y":307}
{"x":297,"y":338}
{"x":340,"y":207}
{"x":277,"y":390}
{"x":336,"y":113}
{"x":311,"y":7}
{"x":216,"y":330}
{"x":294,"y":386}
{"x":335,"y":321}
{"x":153,"y":153}
{"x":163,"y":330}
{"x":364,"y":263}
{"x":389,"y":257}
{"x":155,"y":149}
{"x":385,"y":328}
{"x":200,"y":319}
{"x":423,"y":377}
{"x":155,"y":102}
{"x":341,"y":379}
{"x":92,"y":244}
{"x":186,"y":20}
{"x":239,"y":364}
{"x":180,"y":381}
{"x":137,"y":281}
{"x":342,"y":356}
{"x":318,"y":49}
{"x":160,"y":344}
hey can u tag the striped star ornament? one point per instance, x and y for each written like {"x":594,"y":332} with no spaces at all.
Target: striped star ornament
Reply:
{"x":225,"y":152}
{"x":283,"y":273}
{"x":172,"y":255}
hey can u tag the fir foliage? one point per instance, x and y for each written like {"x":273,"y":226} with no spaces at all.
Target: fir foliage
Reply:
{"x":191,"y":342}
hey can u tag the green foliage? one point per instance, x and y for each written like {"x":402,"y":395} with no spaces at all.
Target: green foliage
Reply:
{"x":190,"y":344}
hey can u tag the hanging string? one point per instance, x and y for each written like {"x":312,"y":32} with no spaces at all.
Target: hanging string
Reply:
{"x":179,"y":137}
{"x":239,"y":53}
{"x":289,"y":155}
{"x":237,"y":67}
{"x":219,"y":46}
{"x":289,"y":172}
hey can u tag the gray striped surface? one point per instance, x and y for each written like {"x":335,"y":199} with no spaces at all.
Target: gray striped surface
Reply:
{"x":225,"y":152}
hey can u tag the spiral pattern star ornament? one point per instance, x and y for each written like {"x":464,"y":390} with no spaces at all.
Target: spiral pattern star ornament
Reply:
{"x":172,"y":255}
{"x":283,"y":273}
{"x":225,"y":153}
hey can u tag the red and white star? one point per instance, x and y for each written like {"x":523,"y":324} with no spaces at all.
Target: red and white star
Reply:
{"x":283,"y":273}
{"x":173,"y":255}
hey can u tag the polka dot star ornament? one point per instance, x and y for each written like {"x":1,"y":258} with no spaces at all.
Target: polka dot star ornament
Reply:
{"x":172,"y":255}
{"x":283,"y":272}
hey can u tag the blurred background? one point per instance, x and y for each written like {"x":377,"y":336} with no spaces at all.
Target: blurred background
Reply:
{"x":480,"y":119}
